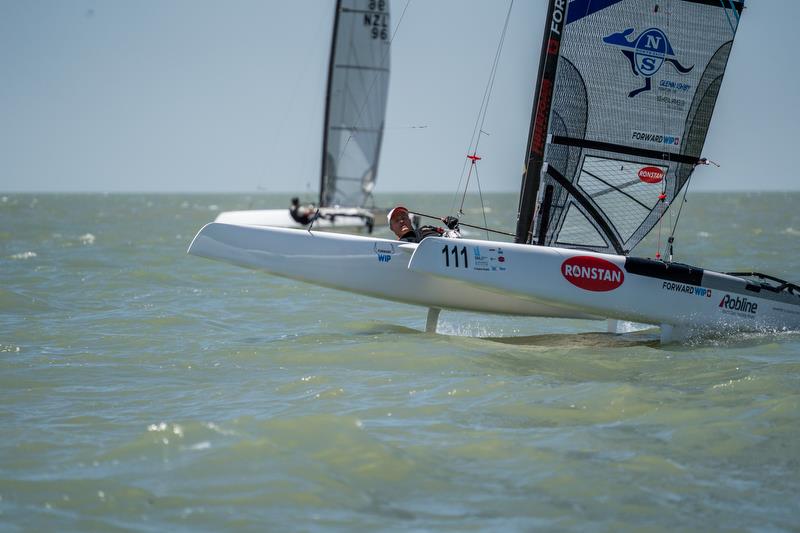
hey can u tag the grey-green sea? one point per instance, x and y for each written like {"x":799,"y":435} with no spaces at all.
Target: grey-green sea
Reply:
{"x":142,"y":389}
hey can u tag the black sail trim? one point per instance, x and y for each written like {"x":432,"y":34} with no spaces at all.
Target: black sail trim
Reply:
{"x":547,"y":201}
{"x":588,"y":206}
{"x":623,"y":149}
{"x":362,"y":67}
{"x":717,"y":3}
{"x":540,"y":119}
{"x":324,"y":170}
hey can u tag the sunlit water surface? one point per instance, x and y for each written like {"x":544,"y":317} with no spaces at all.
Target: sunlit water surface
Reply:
{"x":144,"y":389}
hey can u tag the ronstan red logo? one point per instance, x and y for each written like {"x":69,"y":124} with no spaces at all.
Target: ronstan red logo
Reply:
{"x":651,"y":174}
{"x":592,"y":273}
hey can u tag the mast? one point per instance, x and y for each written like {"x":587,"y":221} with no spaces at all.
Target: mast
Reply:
{"x":537,"y":136}
{"x":331,"y":64}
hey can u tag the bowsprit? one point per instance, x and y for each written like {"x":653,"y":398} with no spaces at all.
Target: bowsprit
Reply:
{"x":646,"y":53}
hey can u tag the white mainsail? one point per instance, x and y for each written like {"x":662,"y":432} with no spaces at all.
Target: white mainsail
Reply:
{"x":358,"y":85}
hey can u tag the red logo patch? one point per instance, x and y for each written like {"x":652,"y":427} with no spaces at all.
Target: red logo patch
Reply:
{"x":651,"y":174}
{"x":592,"y":273}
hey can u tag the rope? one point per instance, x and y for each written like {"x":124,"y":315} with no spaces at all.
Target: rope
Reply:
{"x":480,"y":195}
{"x":464,"y":224}
{"x":661,"y":200}
{"x":671,"y":239}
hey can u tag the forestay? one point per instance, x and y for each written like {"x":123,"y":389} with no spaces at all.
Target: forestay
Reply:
{"x":626,"y":111}
{"x":358,"y":84}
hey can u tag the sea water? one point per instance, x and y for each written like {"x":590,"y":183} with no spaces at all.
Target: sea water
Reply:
{"x":142,"y":389}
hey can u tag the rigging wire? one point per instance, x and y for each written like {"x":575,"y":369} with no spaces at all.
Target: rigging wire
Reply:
{"x":500,"y":232}
{"x":480,"y":120}
{"x":480,"y":195}
{"x":663,"y":204}
{"x":671,"y":239}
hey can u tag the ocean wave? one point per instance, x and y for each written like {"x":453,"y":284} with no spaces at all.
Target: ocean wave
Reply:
{"x":23,"y":255}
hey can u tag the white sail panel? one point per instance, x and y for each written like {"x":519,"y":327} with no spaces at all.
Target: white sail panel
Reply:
{"x":625,"y":192}
{"x":357,"y":93}
{"x":578,"y":229}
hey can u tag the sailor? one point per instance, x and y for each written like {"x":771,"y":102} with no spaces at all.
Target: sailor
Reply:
{"x":302,"y":215}
{"x":400,"y":224}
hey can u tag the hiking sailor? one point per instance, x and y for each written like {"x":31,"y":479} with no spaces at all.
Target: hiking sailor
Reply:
{"x":400,"y":224}
{"x":302,"y":215}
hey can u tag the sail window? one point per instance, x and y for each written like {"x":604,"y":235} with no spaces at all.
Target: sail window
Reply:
{"x":577,"y":230}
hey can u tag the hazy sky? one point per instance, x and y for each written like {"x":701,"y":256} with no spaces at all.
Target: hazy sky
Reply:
{"x":212,"y":95}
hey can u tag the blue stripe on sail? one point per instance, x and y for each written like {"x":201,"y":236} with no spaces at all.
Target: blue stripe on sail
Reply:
{"x":579,"y":9}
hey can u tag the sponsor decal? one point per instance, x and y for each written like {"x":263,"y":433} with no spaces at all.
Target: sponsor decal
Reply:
{"x":592,"y":273}
{"x":672,"y":103}
{"x":546,"y":88}
{"x":542,"y":112}
{"x":558,"y":16}
{"x":690,"y":290}
{"x":674,"y":86}
{"x":651,"y":174}
{"x":646,"y":53}
{"x":496,"y":259}
{"x":480,"y":261}
{"x":656,"y":138}
{"x":738,"y":305}
{"x":384,"y":251}
{"x":376,"y":20}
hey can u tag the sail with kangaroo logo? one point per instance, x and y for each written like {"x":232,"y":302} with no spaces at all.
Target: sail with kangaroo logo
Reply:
{"x":356,"y":99}
{"x":622,"y":116}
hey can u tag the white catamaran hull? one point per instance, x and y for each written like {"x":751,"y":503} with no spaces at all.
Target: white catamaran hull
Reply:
{"x":345,"y":218}
{"x":677,"y":297}
{"x":364,"y":265}
{"x":505,"y":278}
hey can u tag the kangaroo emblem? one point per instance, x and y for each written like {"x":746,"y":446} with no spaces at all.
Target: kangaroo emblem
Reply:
{"x":646,"y":53}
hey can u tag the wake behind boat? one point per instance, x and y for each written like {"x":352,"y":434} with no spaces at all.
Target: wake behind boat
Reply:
{"x":608,"y":155}
{"x":358,"y":85}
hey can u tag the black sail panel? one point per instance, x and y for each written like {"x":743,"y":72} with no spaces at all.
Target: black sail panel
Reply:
{"x":635,"y":89}
{"x":358,"y":85}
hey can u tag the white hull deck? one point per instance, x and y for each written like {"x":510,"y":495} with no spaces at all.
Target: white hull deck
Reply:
{"x":333,"y":218}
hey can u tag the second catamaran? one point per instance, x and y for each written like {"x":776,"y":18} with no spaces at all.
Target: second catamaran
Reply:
{"x":358,"y":84}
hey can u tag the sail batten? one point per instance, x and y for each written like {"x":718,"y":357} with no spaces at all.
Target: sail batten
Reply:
{"x":634,"y":90}
{"x":358,"y":84}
